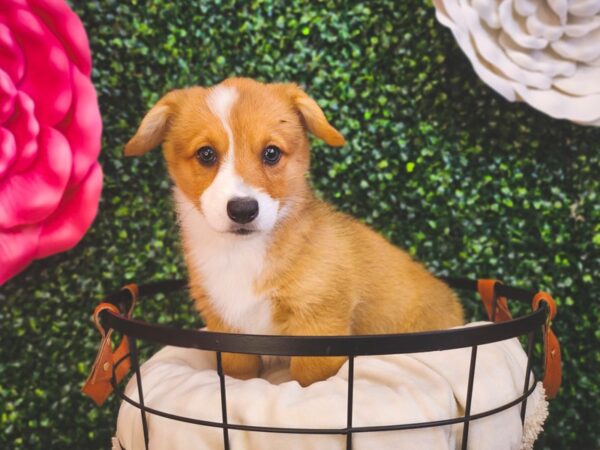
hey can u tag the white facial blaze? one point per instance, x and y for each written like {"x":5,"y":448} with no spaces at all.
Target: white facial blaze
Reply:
{"x":228,"y":184}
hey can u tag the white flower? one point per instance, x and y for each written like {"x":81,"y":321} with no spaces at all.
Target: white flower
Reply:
{"x":543,"y":52}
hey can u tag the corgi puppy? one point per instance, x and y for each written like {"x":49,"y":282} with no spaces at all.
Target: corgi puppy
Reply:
{"x":264,"y":255}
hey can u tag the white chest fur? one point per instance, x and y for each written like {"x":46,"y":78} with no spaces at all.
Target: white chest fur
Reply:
{"x":229,"y":267}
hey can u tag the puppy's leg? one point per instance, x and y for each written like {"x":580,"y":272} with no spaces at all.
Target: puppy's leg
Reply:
{"x":236,"y":365}
{"x":241,"y":366}
{"x":308,"y":369}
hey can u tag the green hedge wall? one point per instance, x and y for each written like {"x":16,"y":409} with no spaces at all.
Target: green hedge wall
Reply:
{"x":471,"y":184}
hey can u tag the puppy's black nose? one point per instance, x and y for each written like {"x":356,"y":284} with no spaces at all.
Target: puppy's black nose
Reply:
{"x":242,"y":210}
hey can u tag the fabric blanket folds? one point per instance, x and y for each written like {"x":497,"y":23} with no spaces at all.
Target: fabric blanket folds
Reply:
{"x":391,"y":389}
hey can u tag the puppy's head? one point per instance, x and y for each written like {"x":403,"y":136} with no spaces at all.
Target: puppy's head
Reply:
{"x":238,"y":150}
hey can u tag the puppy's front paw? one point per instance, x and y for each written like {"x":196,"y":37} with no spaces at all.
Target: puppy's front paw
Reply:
{"x":308,"y":369}
{"x":241,"y":366}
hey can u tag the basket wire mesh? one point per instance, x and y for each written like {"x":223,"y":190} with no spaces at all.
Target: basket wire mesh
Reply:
{"x":349,"y":346}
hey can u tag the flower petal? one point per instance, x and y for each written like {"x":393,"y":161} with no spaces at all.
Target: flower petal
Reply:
{"x":65,"y":228}
{"x":69,"y":30}
{"x":7,"y":96}
{"x":11,"y":57}
{"x":594,"y":63}
{"x":31,"y":196}
{"x":584,"y":8}
{"x":526,"y":7}
{"x":8,"y":151}
{"x":514,"y":26}
{"x":488,"y":12}
{"x":25,"y":129}
{"x":83,"y":126}
{"x":586,"y":81}
{"x":581,"y":49}
{"x":560,"y":9}
{"x":562,"y":106}
{"x":537,"y":60}
{"x":488,"y":53}
{"x":17,"y":249}
{"x":47,"y":79}
{"x":544,"y":23}
{"x":580,"y":26}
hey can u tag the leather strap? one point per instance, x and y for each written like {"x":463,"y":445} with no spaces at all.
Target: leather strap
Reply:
{"x":552,"y":357}
{"x":134,"y":292}
{"x":98,"y":384}
{"x":495,"y":306}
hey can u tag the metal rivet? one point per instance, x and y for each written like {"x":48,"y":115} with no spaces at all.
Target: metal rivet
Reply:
{"x":106,"y":366}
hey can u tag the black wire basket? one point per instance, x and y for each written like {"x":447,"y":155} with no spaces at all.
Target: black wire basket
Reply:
{"x":115,"y":312}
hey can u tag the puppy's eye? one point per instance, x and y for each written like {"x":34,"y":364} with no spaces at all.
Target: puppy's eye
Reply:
{"x":271,"y":155}
{"x":206,"y":155}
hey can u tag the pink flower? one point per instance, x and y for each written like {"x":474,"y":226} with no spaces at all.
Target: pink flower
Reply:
{"x":50,"y":128}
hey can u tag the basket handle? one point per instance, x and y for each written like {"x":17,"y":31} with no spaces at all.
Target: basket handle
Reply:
{"x":552,"y":357}
{"x":98,"y":384}
{"x":495,"y":306}
{"x":497,"y":311}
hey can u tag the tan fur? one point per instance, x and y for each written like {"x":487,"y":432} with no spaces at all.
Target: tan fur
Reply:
{"x":326,"y":273}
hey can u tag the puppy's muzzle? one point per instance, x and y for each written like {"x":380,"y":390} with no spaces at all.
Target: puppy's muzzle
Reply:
{"x":242,"y":210}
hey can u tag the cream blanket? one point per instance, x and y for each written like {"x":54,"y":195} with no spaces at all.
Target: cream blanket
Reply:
{"x":390,"y":389}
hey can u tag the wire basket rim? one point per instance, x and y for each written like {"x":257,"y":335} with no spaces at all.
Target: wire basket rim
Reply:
{"x":354,"y":345}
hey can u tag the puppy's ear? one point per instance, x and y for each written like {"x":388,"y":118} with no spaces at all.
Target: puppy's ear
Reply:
{"x":154,"y":125}
{"x":312,"y":114}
